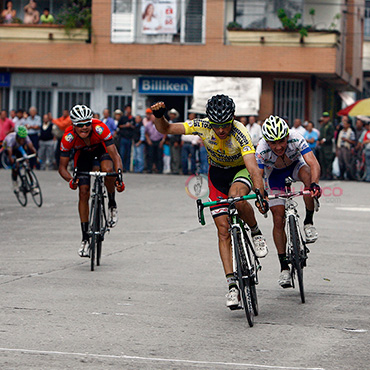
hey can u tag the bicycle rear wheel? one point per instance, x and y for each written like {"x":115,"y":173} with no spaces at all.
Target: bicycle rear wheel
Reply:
{"x":21,"y":193}
{"x":95,"y":230}
{"x":244,"y":285}
{"x":34,"y":187}
{"x":297,"y":265}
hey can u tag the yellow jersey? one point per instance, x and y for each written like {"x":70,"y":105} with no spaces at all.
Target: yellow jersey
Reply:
{"x":227,"y":152}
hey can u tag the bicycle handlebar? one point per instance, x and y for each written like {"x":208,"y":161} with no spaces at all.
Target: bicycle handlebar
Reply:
{"x":97,"y":173}
{"x":201,"y":205}
{"x":26,"y":157}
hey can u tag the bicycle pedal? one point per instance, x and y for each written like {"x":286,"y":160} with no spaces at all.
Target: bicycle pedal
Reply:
{"x":234,"y":308}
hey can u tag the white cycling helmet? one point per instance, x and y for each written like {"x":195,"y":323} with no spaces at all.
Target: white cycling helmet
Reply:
{"x":274,"y":128}
{"x":80,"y":113}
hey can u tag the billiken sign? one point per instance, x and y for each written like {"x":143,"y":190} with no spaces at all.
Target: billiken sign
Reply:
{"x":166,"y":85}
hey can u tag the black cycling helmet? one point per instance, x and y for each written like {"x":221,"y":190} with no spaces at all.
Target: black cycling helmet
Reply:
{"x":220,"y":109}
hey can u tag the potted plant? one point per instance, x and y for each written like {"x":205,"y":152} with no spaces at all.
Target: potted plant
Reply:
{"x":76,"y":14}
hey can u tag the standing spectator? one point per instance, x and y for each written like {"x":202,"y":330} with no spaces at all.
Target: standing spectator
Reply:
{"x":203,"y":156}
{"x":255,"y":130}
{"x":346,"y":140}
{"x":297,"y":127}
{"x":8,"y":14}
{"x":359,"y":129}
{"x":244,"y":120}
{"x":166,"y":156}
{"x":18,"y":119}
{"x":96,"y":115}
{"x":46,"y":144}
{"x":60,"y":124}
{"x":46,"y":17}
{"x":311,"y":137}
{"x":12,"y":115}
{"x":175,"y":144}
{"x":6,"y":125}
{"x":109,"y":121}
{"x":33,"y":125}
{"x":117,"y":116}
{"x":326,"y":146}
{"x":146,"y":120}
{"x":188,"y":148}
{"x":126,"y":127}
{"x":139,"y":140}
{"x":31,"y":14}
{"x":365,"y":142}
{"x":155,"y":142}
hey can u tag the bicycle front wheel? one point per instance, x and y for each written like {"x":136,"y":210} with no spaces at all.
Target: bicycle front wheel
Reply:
{"x":21,"y":193}
{"x":34,"y":187}
{"x":244,"y":285}
{"x":95,"y":230}
{"x":296,"y":256}
{"x":251,"y":271}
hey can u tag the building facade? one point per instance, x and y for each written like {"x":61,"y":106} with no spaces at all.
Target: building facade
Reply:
{"x":131,"y":59}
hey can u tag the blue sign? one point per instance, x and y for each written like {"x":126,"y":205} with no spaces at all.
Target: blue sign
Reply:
{"x":166,"y":85}
{"x":4,"y":79}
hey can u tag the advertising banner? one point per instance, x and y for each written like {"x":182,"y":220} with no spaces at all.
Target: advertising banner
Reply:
{"x":159,"y":17}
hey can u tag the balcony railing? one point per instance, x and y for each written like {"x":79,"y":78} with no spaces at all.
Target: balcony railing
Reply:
{"x":282,"y":38}
{"x":41,"y":33}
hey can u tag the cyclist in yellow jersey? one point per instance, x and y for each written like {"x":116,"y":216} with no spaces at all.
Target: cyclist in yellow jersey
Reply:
{"x":233,"y":172}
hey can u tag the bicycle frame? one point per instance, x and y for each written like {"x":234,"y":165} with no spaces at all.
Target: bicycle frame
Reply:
{"x":98,"y":220}
{"x":297,"y":249}
{"x":245,"y":261}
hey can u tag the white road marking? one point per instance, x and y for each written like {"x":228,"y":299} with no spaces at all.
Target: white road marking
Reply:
{"x":154,"y":359}
{"x":354,"y":209}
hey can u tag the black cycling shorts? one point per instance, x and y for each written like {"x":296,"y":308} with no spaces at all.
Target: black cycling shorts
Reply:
{"x":88,"y":159}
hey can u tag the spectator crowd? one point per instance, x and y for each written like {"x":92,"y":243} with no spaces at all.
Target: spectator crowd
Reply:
{"x":31,"y":14}
{"x":343,"y":149}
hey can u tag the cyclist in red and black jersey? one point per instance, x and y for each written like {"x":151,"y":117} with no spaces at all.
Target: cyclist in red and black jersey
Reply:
{"x":94,"y":147}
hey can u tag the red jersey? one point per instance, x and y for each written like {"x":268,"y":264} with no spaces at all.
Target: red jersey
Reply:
{"x":100,"y":135}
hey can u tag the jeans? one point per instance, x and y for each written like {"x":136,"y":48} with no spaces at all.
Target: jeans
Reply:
{"x":367,"y":162}
{"x":139,"y":158}
{"x":125,"y":152}
{"x":155,"y":155}
{"x":186,"y":150}
{"x":46,"y":154}
{"x":203,"y":157}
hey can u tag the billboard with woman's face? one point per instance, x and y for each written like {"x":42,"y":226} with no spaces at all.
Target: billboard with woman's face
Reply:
{"x":159,"y":17}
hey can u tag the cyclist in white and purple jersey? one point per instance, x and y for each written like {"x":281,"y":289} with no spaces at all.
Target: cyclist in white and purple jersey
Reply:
{"x":280,"y":154}
{"x":17,"y":144}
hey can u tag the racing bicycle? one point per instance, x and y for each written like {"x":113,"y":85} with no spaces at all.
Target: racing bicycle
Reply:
{"x":27,"y":182}
{"x":245,"y":262}
{"x":98,"y":219}
{"x":297,"y":251}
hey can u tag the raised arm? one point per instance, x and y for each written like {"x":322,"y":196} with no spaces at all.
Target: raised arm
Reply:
{"x":161,"y":123}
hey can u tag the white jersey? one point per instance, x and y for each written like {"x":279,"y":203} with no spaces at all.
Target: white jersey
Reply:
{"x":296,"y":148}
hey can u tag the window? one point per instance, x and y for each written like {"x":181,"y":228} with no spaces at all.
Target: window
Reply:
{"x":367,"y":20}
{"x":158,"y":21}
{"x":289,"y":99}
{"x":67,"y":99}
{"x":4,"y":98}
{"x":54,"y":6}
{"x":118,"y":102}
{"x":263,"y":13}
{"x":43,"y":102}
{"x":23,"y":99}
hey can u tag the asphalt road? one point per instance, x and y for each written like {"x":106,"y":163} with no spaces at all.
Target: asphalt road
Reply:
{"x":158,"y":299}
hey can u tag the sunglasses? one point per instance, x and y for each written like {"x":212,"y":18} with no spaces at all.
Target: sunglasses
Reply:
{"x":221,"y":125}
{"x":87,"y":124}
